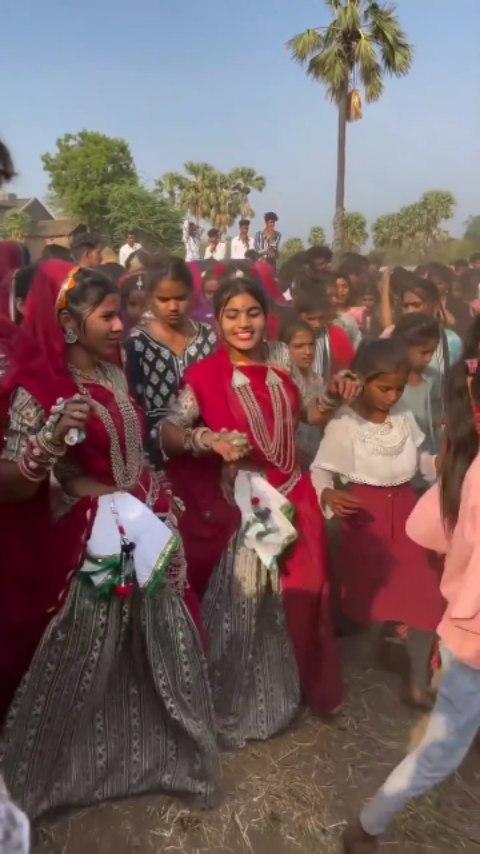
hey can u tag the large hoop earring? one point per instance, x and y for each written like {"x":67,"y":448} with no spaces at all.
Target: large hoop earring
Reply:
{"x":70,"y":336}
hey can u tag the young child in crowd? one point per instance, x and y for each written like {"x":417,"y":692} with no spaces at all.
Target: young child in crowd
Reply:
{"x":369,"y":300}
{"x":300,"y":340}
{"x":447,"y":519}
{"x":374,"y":449}
{"x":346,"y":309}
{"x":168,"y":342}
{"x":333,"y":348}
{"x":133,"y":300}
{"x":420,"y":335}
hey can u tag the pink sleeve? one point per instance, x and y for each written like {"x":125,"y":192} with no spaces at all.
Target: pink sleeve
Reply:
{"x":425,"y":524}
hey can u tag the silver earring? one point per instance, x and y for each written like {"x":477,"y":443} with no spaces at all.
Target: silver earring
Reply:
{"x":71,"y":336}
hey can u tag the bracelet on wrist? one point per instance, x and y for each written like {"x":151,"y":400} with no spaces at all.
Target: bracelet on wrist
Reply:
{"x":34,"y":465}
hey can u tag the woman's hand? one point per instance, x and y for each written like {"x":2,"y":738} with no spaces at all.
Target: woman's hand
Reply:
{"x":74,"y":417}
{"x":345,"y":386}
{"x":341,"y":503}
{"x":231,"y":447}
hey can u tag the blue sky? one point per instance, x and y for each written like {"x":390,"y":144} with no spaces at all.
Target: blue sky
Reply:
{"x":213,"y":81}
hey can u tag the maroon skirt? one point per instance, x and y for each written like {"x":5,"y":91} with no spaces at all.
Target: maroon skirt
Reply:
{"x":385,"y":575}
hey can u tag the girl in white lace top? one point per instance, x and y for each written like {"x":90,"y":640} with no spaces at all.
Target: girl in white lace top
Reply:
{"x":373,"y":450}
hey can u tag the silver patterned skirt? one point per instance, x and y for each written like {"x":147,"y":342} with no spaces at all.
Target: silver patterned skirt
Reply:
{"x":253,"y":671}
{"x":116,"y":703}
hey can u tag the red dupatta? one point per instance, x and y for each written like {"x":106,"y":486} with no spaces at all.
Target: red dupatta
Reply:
{"x":36,"y":555}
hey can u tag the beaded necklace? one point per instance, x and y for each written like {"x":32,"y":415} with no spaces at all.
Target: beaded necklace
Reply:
{"x":126,"y":469}
{"x":279,"y":448}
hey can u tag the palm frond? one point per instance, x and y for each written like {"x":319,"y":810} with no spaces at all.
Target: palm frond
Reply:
{"x":369,"y":69}
{"x":349,"y":19}
{"x":304,"y":45}
{"x":331,"y":68}
{"x":396,"y":52}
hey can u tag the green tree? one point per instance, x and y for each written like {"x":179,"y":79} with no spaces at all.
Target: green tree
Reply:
{"x":364,"y":42}
{"x":243,"y":180}
{"x":472,"y":231}
{"x":133,"y":206}
{"x":83,"y":170}
{"x":317,"y":236}
{"x":416,"y":227}
{"x":15,"y":225}
{"x":291,"y":247}
{"x":205,"y":192}
{"x":356,"y":233}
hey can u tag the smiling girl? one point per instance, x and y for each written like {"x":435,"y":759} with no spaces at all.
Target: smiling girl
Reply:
{"x":268,"y":621}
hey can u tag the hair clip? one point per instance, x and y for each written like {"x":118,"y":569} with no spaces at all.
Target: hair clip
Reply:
{"x":472,"y":366}
{"x":239,"y":274}
{"x":139,"y":283}
{"x":68,"y":285}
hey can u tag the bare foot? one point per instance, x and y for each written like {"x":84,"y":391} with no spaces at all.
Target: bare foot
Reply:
{"x":357,"y":841}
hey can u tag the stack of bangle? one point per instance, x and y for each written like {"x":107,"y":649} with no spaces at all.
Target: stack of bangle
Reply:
{"x":195,"y":440}
{"x":40,"y":455}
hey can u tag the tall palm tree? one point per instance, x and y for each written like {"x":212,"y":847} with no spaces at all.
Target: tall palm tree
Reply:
{"x":364,"y":42}
{"x":243,"y":181}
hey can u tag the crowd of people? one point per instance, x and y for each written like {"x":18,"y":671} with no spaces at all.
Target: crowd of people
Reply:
{"x":178,"y":439}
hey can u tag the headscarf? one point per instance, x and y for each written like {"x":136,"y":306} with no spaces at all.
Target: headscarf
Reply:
{"x":267,"y":277}
{"x":38,"y":362}
{"x":202,"y":309}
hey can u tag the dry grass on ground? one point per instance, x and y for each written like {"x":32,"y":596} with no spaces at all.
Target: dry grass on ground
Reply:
{"x":294,"y":793}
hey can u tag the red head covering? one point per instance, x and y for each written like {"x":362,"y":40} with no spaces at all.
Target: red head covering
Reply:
{"x":38,"y":362}
{"x":268,"y":279}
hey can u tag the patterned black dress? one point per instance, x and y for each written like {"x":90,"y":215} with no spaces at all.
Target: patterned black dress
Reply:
{"x":155,"y":374}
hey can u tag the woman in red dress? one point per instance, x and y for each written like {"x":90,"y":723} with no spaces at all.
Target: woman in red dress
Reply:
{"x":265,"y":626}
{"x":116,"y":700}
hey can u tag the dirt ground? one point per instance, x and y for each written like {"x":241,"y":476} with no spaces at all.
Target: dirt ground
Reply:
{"x":294,"y":793}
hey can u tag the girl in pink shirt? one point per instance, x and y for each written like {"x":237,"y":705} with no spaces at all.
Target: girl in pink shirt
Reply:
{"x":447,"y":519}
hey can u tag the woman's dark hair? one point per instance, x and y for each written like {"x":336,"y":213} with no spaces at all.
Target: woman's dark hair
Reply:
{"x":417,"y":329}
{"x":91,"y":288}
{"x":56,"y":250}
{"x":383,"y":356}
{"x":7,"y":169}
{"x":311,"y":295}
{"x":439,"y":273}
{"x":370,"y":290}
{"x":173,"y":268}
{"x":291,"y":327}
{"x":139,"y":257}
{"x":342,"y":274}
{"x":423,"y":288}
{"x":233,"y":283}
{"x":461,"y":439}
{"x":112,"y":270}
{"x":354,"y":264}
{"x":321,"y":253}
{"x":251,"y":255}
{"x":134,"y":282}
